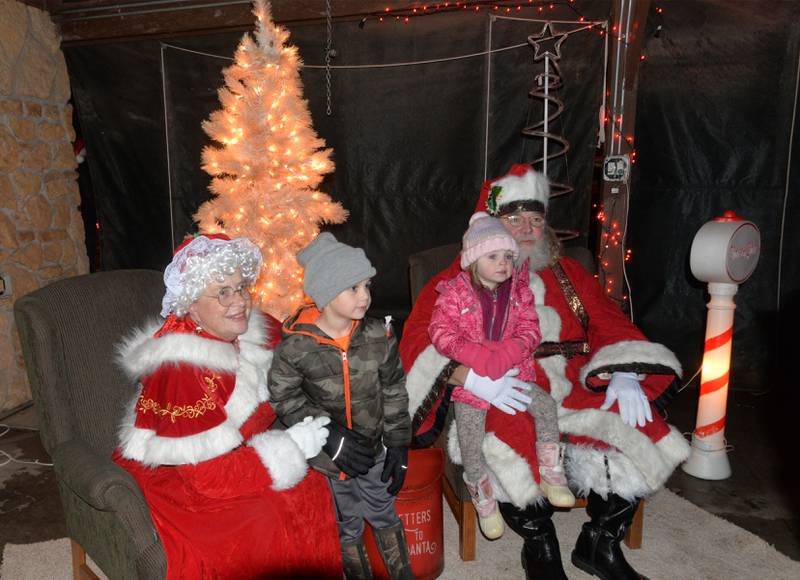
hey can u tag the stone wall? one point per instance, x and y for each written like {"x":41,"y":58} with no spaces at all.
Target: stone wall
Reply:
{"x":41,"y":230}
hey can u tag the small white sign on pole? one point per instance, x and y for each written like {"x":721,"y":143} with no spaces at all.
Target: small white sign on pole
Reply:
{"x":616,"y":168}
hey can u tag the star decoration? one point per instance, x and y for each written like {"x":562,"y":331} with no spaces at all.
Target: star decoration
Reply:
{"x":547,"y":43}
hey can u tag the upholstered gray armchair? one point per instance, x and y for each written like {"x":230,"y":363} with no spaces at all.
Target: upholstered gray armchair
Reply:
{"x":68,"y":331}
{"x":422,"y":267}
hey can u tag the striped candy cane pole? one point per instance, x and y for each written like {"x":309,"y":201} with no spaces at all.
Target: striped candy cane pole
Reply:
{"x":708,"y":459}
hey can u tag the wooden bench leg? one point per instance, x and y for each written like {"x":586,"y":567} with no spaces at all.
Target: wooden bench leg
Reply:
{"x":80,"y":569}
{"x":633,"y":537}
{"x":467,"y":520}
{"x":467,"y":531}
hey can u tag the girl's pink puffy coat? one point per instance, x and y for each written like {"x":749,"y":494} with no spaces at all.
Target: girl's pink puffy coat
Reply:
{"x":458,"y":319}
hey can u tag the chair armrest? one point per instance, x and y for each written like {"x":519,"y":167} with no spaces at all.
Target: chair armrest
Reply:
{"x":92,"y":477}
{"x":106,"y":486}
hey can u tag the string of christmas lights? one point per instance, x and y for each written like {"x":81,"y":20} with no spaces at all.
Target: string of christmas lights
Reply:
{"x":611,"y":236}
{"x":407,"y":13}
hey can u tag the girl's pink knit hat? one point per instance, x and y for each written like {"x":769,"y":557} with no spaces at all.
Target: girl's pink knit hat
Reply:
{"x":485,"y":234}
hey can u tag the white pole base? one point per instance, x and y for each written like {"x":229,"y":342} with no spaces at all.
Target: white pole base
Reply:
{"x":705,"y":463}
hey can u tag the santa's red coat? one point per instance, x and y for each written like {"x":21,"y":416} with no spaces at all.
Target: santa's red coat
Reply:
{"x":229,"y":498}
{"x":603,"y":447}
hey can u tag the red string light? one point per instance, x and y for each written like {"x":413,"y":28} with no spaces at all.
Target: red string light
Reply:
{"x":611,"y":237}
{"x":415,"y":11}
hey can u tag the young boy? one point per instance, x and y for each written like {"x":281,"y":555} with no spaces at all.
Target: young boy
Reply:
{"x":332,"y":361}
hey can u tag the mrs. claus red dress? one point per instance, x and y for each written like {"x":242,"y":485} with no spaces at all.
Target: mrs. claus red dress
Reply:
{"x":229,"y":497}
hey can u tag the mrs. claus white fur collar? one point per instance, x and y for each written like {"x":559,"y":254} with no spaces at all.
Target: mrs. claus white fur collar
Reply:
{"x":140,"y":354}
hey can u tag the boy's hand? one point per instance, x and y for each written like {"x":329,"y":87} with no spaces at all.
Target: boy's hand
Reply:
{"x":395,"y":466}
{"x":345,"y":448}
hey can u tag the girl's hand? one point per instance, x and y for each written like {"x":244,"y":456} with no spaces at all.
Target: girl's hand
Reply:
{"x":506,"y":354}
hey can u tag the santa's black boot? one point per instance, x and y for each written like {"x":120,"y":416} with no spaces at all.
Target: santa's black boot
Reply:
{"x":541,"y":557}
{"x":598,"y":551}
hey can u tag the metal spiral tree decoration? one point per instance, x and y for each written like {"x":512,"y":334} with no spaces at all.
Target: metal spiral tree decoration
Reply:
{"x":547,"y":47}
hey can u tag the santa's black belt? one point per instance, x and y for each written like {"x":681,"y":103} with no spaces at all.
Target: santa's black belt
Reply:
{"x":568,"y":349}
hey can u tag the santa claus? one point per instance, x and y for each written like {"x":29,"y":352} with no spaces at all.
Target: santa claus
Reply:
{"x":609,"y":382}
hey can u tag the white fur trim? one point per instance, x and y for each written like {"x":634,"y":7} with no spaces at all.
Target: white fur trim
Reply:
{"x":512,"y":472}
{"x":419,"y":380}
{"x":586,"y":470}
{"x":654,"y":464}
{"x":144,"y":446}
{"x":140,"y":354}
{"x":532,"y":185}
{"x":251,"y":376}
{"x":627,"y":352}
{"x":674,"y":447}
{"x":550,"y":324}
{"x":555,"y":368}
{"x":254,"y":358}
{"x":130,"y":346}
{"x":513,"y":480}
{"x":453,"y":449}
{"x":549,"y":320}
{"x":282,"y":457}
{"x":511,"y":476}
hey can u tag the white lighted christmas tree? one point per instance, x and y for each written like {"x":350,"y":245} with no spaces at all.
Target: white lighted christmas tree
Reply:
{"x":268,"y":164}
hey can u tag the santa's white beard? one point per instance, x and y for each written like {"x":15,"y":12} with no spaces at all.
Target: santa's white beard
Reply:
{"x":539,"y":254}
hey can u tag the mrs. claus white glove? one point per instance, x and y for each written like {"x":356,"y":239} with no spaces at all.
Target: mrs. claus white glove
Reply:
{"x":310,"y":435}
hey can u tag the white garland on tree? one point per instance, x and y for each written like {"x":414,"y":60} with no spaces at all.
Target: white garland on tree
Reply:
{"x":270,"y":161}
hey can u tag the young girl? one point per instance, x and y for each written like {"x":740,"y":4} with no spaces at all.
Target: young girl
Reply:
{"x":485,"y":319}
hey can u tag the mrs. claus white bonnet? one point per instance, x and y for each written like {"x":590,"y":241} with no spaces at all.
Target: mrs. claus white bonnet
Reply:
{"x":202,"y":260}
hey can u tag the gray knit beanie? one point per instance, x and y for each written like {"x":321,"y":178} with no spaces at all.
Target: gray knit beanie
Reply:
{"x":331,"y":267}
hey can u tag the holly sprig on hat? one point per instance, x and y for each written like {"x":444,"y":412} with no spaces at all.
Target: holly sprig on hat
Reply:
{"x":492,"y":199}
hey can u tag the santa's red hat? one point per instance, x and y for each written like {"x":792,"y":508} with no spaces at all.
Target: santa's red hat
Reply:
{"x":521,"y":189}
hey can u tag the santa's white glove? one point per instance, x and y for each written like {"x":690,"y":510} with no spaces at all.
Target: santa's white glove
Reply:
{"x":310,"y":435}
{"x":634,"y":408}
{"x":506,"y":393}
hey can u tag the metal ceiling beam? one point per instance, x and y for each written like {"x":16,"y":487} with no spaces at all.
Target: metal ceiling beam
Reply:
{"x":98,"y":21}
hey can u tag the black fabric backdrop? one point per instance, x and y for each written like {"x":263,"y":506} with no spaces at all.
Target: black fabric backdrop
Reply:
{"x":716,"y":96}
{"x":408,"y":141}
{"x":715,"y":104}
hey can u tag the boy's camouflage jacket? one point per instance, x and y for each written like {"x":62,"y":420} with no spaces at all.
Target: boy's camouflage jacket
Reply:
{"x":363,"y":388}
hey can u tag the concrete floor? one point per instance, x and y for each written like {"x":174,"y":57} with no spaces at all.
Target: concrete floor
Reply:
{"x":761,"y":495}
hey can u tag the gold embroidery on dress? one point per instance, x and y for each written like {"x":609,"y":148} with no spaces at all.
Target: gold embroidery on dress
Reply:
{"x":207,"y":403}
{"x":211,"y":382}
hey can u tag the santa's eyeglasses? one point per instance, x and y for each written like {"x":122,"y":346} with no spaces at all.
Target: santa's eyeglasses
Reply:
{"x":517,"y":221}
